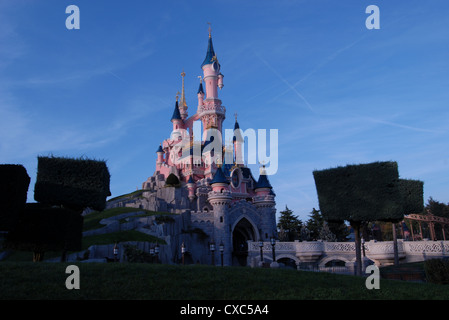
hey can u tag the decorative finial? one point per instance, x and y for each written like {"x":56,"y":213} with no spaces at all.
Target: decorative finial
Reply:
{"x":201,"y":79}
{"x":235,"y":115}
{"x":183,"y":94}
{"x":177,"y":96}
{"x":210,"y":29}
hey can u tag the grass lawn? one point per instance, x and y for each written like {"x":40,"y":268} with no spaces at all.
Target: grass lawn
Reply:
{"x":137,"y":281}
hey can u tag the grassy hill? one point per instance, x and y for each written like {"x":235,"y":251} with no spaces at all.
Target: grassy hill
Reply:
{"x":130,"y":281}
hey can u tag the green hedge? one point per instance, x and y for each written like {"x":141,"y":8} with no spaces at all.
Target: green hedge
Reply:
{"x":437,"y":271}
{"x":74,"y":183}
{"x":14,"y":183}
{"x":413,"y":195}
{"x":43,"y":228}
{"x":364,"y":192}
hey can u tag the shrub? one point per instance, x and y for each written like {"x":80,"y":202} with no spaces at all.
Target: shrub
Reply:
{"x":134,"y":254}
{"x":365,"y":192}
{"x":43,"y":228}
{"x":74,"y":183}
{"x":437,"y":271}
{"x":14,"y":183}
{"x":164,"y":219}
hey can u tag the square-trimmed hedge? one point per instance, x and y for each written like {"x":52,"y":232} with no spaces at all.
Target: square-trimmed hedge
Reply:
{"x":14,"y":183}
{"x":363,"y":192}
{"x":75,"y":183}
{"x":413,"y":195}
{"x":45,"y":228}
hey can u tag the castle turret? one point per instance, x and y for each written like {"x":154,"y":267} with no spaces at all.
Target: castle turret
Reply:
{"x":220,"y":198}
{"x":200,"y":95}
{"x":160,"y":156}
{"x":238,"y":144}
{"x":264,"y":201}
{"x":191,"y":188}
{"x":176,"y":117}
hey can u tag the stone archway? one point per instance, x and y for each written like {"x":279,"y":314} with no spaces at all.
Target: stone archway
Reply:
{"x":242,"y":232}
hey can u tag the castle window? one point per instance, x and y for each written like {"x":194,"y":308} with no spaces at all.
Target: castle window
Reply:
{"x":221,"y":219}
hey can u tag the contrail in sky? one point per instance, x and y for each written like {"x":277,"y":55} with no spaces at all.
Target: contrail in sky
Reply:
{"x":286,"y":82}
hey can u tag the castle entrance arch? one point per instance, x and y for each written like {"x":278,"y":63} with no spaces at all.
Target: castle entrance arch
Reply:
{"x":242,"y":232}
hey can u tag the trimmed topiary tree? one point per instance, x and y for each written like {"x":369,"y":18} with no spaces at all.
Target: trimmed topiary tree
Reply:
{"x":14,"y":183}
{"x":72,"y":183}
{"x":64,"y":188}
{"x":43,"y":228}
{"x":360,"y":193}
{"x":366,"y":192}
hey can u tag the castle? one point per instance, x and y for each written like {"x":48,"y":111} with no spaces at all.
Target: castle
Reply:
{"x":212,"y":184}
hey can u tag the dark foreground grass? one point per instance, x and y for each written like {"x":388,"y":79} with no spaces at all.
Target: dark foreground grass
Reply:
{"x":22,"y":280}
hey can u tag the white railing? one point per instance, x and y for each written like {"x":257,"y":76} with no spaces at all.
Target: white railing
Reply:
{"x":375,"y":250}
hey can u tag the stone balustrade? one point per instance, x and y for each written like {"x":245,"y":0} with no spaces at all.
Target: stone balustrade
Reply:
{"x":321,"y":252}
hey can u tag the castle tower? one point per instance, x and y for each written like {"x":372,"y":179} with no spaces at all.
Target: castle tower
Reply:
{"x":264,"y":201}
{"x":160,"y":156}
{"x":220,"y":198}
{"x":211,"y":113}
{"x":176,"y":117}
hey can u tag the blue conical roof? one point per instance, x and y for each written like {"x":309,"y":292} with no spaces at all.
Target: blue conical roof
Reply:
{"x":200,"y":89}
{"x":160,"y":149}
{"x":210,"y":53}
{"x":237,"y":134}
{"x":263,"y":182}
{"x":219,"y":177}
{"x":176,"y":113}
{"x":190,"y":180}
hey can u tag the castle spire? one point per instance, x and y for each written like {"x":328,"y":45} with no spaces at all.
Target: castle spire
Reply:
{"x":183,"y":104}
{"x":210,"y":54}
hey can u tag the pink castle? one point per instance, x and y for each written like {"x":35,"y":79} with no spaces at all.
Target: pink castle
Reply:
{"x":222,"y":197}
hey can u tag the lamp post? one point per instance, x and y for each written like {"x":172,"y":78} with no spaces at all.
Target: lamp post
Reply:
{"x":156,"y":252}
{"x":273,"y":244}
{"x":212,"y":249}
{"x":115,"y":251}
{"x":363,"y":246}
{"x":221,"y":248}
{"x":152,"y":254}
{"x":183,"y":251}
{"x":261,"y":252}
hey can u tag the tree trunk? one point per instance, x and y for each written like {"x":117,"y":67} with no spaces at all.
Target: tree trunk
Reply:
{"x":395,"y":245}
{"x":38,"y":256}
{"x":358,"y":252}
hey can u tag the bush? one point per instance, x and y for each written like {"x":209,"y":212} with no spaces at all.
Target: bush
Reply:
{"x":43,"y":228}
{"x":172,"y":180}
{"x":74,"y":183}
{"x":14,"y":183}
{"x":437,"y":271}
{"x":133,"y":254}
{"x":365,"y":192}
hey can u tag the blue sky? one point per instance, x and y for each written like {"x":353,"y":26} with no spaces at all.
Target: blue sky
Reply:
{"x":337,"y":92}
